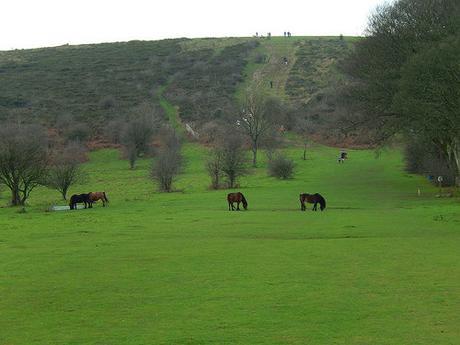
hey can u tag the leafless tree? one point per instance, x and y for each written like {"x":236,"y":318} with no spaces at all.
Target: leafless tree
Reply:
{"x":113,"y":130}
{"x":305,"y":131}
{"x":137,"y":135}
{"x":214,"y":168}
{"x":65,"y":169}
{"x":233,"y":159}
{"x":257,"y":119}
{"x":168,"y":162}
{"x":23,"y":159}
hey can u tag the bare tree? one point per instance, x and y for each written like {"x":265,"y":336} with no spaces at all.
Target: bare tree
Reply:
{"x":23,"y":159}
{"x":65,"y":169}
{"x":168,"y":162}
{"x":305,"y":131}
{"x":138,"y":133}
{"x":214,"y":168}
{"x":113,"y":131}
{"x":257,"y":119}
{"x":233,"y":159}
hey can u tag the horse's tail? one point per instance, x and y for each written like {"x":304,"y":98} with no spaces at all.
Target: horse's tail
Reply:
{"x":105,"y":197}
{"x":243,"y":200}
{"x":322,"y":202}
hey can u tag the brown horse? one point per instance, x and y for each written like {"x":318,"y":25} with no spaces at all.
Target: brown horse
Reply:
{"x":236,"y":197}
{"x":95,"y":196}
{"x":312,"y":199}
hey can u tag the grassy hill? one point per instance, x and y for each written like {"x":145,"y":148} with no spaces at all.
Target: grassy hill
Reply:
{"x":379,"y":266}
{"x":199,"y":78}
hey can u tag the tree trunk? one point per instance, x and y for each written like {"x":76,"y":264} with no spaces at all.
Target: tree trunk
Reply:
{"x":254,"y":157}
{"x":305,"y":152}
{"x":456,"y":159}
{"x":64,"y":193}
{"x":15,"y":198}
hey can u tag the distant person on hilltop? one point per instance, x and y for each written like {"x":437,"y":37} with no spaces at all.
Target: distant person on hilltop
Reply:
{"x":289,"y":34}
{"x":285,"y":34}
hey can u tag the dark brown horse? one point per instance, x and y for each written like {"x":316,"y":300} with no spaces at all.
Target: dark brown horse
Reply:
{"x":236,"y":197}
{"x":95,"y":196}
{"x":79,"y":199}
{"x":312,"y":199}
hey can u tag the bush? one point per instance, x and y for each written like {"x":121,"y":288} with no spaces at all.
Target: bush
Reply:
{"x":113,"y":131}
{"x":77,"y":132}
{"x":260,"y":58}
{"x":281,"y":167}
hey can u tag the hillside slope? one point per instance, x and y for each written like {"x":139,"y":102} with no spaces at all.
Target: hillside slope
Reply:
{"x":201,"y":78}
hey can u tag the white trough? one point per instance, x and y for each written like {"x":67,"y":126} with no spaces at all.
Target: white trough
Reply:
{"x":65,"y":208}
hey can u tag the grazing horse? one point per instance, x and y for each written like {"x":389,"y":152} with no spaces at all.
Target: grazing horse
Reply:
{"x":78,"y":199}
{"x":95,"y":196}
{"x":312,"y":199}
{"x":236,"y":197}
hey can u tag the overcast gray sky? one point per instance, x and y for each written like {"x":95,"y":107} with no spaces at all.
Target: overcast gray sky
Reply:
{"x":43,"y":23}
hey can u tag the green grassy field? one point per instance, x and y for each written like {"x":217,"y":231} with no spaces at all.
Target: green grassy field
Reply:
{"x":379,"y":266}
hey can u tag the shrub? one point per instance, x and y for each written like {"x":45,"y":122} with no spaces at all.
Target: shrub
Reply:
{"x":78,"y":132}
{"x":260,"y":58}
{"x":281,"y":167}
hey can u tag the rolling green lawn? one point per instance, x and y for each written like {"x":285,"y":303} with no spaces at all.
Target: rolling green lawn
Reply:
{"x":380,"y":266}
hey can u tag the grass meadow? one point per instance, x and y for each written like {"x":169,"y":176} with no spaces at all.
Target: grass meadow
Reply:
{"x":380,"y":266}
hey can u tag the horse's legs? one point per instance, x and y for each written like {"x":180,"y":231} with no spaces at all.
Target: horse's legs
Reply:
{"x":238,"y":205}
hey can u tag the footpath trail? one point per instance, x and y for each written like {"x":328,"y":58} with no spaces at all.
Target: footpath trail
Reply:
{"x":170,"y":110}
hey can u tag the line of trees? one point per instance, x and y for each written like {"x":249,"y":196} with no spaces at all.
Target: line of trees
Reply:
{"x":27,"y":161}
